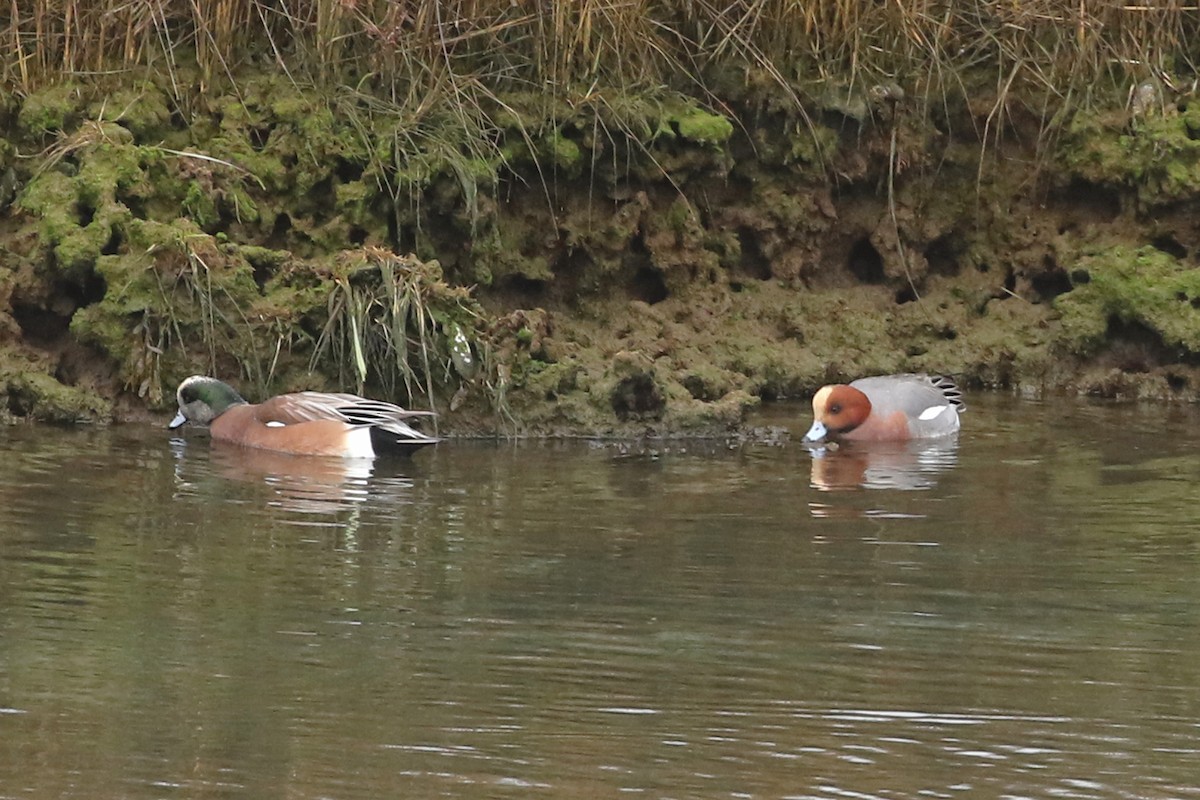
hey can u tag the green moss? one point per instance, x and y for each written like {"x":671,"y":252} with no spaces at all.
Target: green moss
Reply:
{"x":264,"y":258}
{"x":680,"y":217}
{"x":566,"y":154}
{"x":291,"y":106}
{"x":706,"y":381}
{"x":726,"y":413}
{"x":79,"y":249}
{"x":702,"y":127}
{"x":1144,"y":287}
{"x":354,"y":198}
{"x":37,"y":396}
{"x":81,"y":213}
{"x":501,"y":253}
{"x":171,"y":289}
{"x":141,"y":108}
{"x":200,"y":206}
{"x":76,"y":231}
{"x":294,"y":300}
{"x":266,"y":166}
{"x":236,"y":203}
{"x":52,"y":197}
{"x":551,"y":381}
{"x":1158,"y":157}
{"x":632,"y":389}
{"x":49,"y":110}
{"x":774,"y":369}
{"x":112,"y":164}
{"x":810,"y":144}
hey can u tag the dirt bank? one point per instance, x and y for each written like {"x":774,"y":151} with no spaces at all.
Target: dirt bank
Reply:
{"x":658,"y":269}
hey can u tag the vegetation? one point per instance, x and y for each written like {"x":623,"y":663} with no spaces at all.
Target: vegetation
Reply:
{"x":384,"y":316}
{"x":468,"y":48}
{"x":1147,"y":288}
{"x":479,"y":63}
{"x":392,"y":195}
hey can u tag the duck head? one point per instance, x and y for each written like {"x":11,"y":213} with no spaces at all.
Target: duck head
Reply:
{"x":837,"y":409}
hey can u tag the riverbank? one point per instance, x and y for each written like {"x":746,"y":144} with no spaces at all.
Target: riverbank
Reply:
{"x":593,"y":260}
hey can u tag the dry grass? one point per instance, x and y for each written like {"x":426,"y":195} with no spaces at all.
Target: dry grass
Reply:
{"x":393,"y":320}
{"x":571,"y":45}
{"x":445,"y":70}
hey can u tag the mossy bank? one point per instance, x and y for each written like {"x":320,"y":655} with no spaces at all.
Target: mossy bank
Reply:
{"x":650,"y":264}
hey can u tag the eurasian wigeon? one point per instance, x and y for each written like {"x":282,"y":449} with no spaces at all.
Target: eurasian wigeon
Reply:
{"x":886,"y":408}
{"x":304,"y":423}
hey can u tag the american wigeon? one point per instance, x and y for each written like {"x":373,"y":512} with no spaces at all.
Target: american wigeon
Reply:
{"x":304,"y":423}
{"x":887,"y":408}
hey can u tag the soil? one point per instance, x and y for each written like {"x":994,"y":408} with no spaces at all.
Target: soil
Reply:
{"x":658,"y":274}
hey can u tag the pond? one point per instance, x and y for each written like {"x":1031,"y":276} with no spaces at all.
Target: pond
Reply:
{"x":1010,"y":615}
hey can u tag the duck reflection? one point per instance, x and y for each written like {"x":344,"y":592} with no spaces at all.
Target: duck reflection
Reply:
{"x":312,"y":484}
{"x":911,"y":466}
{"x":307,"y":485}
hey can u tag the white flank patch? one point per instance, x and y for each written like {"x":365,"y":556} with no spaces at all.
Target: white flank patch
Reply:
{"x":358,"y":443}
{"x":933,"y":412}
{"x":275,"y":424}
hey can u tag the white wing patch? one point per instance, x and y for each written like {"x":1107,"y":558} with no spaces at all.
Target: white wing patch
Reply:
{"x":276,"y":424}
{"x":933,"y":412}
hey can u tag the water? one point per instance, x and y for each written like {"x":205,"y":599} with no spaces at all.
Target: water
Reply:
{"x":1014,"y":616}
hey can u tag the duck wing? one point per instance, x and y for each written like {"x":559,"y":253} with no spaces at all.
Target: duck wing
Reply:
{"x":293,"y":409}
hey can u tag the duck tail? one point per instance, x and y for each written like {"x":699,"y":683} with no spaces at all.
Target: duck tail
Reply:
{"x":390,"y":440}
{"x":950,"y":389}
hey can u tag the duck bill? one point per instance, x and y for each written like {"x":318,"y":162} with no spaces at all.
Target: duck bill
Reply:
{"x":179,"y":420}
{"x":817,"y":432}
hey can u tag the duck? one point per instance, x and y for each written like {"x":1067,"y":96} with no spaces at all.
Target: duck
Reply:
{"x":887,"y":408}
{"x":302,"y":423}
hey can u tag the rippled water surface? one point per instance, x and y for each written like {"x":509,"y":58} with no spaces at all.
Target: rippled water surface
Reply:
{"x":1012,"y":615}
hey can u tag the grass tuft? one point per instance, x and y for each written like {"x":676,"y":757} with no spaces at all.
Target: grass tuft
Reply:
{"x":393,"y":321}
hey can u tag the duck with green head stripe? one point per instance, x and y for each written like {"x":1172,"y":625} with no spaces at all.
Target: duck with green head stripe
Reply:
{"x":303,"y":423}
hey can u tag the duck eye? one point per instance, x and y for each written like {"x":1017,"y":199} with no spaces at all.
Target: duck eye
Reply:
{"x":836,"y":408}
